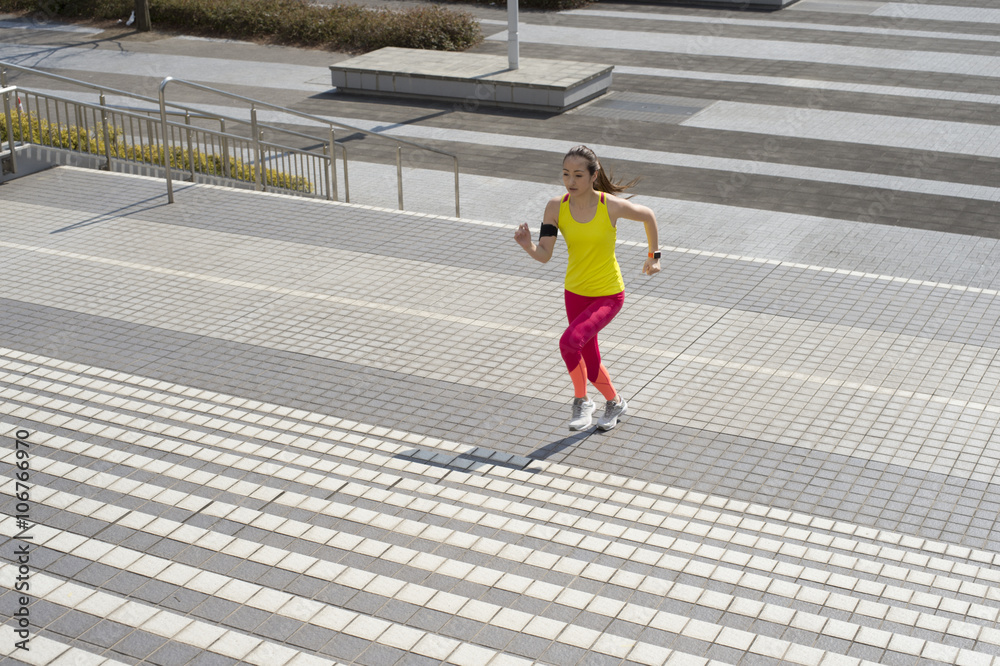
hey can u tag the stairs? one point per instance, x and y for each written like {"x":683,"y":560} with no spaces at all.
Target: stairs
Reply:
{"x":195,"y":521}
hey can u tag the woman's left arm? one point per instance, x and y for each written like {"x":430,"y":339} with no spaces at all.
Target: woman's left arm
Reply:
{"x":618,"y":207}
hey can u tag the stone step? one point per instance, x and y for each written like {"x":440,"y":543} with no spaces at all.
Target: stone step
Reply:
{"x":391,"y":524}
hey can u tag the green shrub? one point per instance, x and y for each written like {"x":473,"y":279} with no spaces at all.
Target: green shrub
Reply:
{"x":31,"y":129}
{"x":296,"y":22}
{"x":19,"y":5}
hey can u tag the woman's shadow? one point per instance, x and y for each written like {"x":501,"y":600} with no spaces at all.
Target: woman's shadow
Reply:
{"x":472,"y":460}
{"x":555,"y":447}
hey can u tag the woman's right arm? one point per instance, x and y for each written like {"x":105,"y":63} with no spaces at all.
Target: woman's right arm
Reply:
{"x":542,"y":250}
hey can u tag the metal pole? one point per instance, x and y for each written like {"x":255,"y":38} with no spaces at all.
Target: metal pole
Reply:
{"x":107,"y":132}
{"x":81,"y":131}
{"x":399,"y":174}
{"x":10,"y":129}
{"x":166,"y":140}
{"x":512,"y":47}
{"x":347,"y":182}
{"x":333,"y":166}
{"x":458,"y":211}
{"x":328,"y":168}
{"x":258,"y":176}
{"x":225,"y":148}
{"x":187,"y":121}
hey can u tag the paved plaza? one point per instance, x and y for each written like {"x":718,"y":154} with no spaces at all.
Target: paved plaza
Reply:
{"x":282,"y":431}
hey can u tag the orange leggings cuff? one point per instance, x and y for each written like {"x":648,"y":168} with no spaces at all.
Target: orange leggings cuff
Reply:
{"x":579,"y":377}
{"x":603,"y":383}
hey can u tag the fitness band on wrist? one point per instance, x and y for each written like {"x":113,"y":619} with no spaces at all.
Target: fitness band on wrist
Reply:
{"x":654,"y":255}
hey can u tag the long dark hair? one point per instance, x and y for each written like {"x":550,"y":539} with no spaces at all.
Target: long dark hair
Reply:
{"x":604,"y":183}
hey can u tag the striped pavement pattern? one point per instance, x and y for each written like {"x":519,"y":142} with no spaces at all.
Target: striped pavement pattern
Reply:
{"x":622,"y":536}
{"x":841,"y":302}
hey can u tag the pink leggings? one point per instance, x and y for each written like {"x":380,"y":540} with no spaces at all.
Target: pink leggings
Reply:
{"x":587,"y":316}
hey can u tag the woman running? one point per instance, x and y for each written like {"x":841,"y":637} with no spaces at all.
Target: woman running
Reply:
{"x":587,"y":215}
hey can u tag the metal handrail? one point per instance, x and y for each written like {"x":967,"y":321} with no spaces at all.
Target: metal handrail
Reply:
{"x":144,"y":116}
{"x":101,"y":90}
{"x":4,"y":66}
{"x":193,"y":110}
{"x":6,"y":91}
{"x":301,"y":114}
{"x":136,"y":113}
{"x":329,"y":143}
{"x":260,"y":125}
{"x":183,"y":110}
{"x":202,"y":116}
{"x":254,"y":104}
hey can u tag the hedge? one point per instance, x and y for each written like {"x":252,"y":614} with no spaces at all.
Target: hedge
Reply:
{"x":29,"y":128}
{"x":294,"y":22}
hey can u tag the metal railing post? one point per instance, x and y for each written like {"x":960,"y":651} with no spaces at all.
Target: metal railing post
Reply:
{"x":107,"y":132}
{"x":81,"y":128}
{"x":399,"y":174}
{"x":332,"y":189}
{"x":458,"y":211}
{"x":347,"y":182}
{"x":328,"y":169}
{"x":259,"y":166}
{"x":7,"y":119}
{"x":190,"y":147}
{"x":225,"y":148}
{"x":10,"y":126}
{"x":166,"y":140}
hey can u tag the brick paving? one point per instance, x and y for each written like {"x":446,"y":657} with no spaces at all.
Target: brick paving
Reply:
{"x":285,"y":431}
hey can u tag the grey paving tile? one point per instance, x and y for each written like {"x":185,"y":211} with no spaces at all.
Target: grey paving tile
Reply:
{"x":564,"y":654}
{"x":174,"y":653}
{"x":380,"y":654}
{"x":106,"y":633}
{"x":342,"y":646}
{"x":139,"y":644}
{"x":153,"y":591}
{"x":206,"y":658}
{"x":247,"y":619}
{"x":66,"y":566}
{"x":214,"y":609}
{"x":428,"y":620}
{"x":530,"y":647}
{"x":72,"y":624}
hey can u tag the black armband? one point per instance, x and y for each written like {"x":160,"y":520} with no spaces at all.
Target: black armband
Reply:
{"x":548,"y":230}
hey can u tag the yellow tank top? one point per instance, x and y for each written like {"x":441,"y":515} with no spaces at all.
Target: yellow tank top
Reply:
{"x":592,"y":269}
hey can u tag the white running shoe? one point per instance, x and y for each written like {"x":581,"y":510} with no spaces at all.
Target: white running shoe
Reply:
{"x":612,"y":410}
{"x":583,"y":409}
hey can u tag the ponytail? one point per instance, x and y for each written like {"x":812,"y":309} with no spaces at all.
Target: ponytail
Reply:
{"x":604,"y":182}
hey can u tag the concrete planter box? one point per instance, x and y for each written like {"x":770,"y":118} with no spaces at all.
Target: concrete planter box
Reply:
{"x":472,"y":79}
